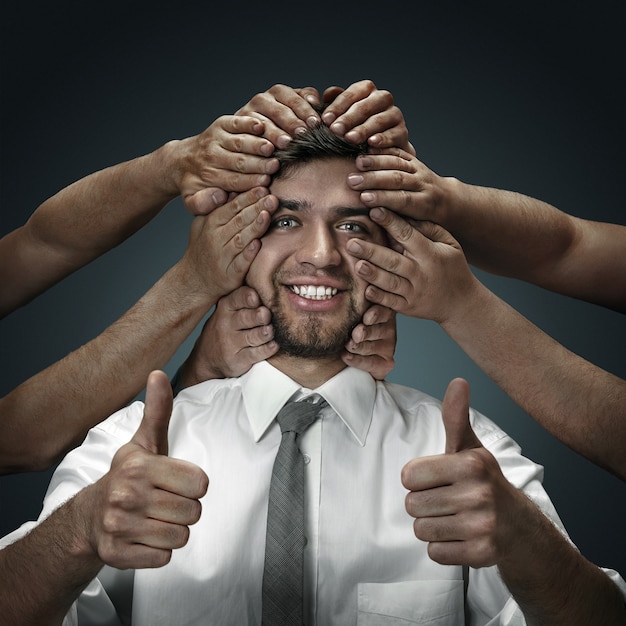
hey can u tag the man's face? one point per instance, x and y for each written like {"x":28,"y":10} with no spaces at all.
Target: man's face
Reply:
{"x":303,"y":273}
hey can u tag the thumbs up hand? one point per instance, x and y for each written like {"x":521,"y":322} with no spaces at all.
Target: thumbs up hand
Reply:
{"x":462,"y":504}
{"x":143,"y":507}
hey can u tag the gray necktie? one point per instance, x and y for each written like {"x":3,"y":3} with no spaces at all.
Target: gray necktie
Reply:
{"x":284,"y":548}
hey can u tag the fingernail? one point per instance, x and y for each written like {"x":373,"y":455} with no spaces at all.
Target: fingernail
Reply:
{"x":267,"y":149}
{"x":219,"y":197}
{"x":367,"y":197}
{"x":271,"y":166}
{"x":328,"y":118}
{"x":377,"y":214}
{"x":338,"y":128}
{"x":364,"y":269}
{"x":353,"y":246}
{"x":355,"y":179}
{"x":364,"y":161}
{"x":352,"y":136}
{"x":300,"y":130}
{"x":312,"y":122}
{"x":283,"y":141}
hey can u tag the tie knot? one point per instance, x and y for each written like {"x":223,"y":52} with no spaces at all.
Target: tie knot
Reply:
{"x":298,"y":416}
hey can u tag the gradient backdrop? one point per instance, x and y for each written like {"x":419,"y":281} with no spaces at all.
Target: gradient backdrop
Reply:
{"x":529,"y":97}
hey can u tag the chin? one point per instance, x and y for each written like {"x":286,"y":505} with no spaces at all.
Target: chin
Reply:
{"x":313,"y":337}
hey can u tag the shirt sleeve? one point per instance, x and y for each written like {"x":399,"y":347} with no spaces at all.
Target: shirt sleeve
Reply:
{"x":527,"y":476}
{"x":80,"y":468}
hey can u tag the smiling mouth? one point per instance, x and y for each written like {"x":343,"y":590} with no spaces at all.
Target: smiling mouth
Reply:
{"x":314,"y":292}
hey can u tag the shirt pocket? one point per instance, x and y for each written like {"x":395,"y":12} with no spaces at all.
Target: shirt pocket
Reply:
{"x":432,"y":602}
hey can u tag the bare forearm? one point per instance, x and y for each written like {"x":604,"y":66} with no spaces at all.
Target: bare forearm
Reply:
{"x":43,"y":573}
{"x":52,"y":411}
{"x":83,"y":221}
{"x":579,"y":403}
{"x":515,"y":235}
{"x":503,"y":231}
{"x":552,"y":582}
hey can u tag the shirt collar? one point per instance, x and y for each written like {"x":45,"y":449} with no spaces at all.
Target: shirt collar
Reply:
{"x":350,"y":393}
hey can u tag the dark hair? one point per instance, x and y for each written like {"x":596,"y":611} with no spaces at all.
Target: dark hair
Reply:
{"x":315,"y":144}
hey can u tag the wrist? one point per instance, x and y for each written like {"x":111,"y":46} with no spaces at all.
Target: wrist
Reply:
{"x":466,"y":307}
{"x":189,"y":291}
{"x":453,"y":203}
{"x":171,"y":160}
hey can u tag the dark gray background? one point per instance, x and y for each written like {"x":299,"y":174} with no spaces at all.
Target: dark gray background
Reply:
{"x":520,"y":96}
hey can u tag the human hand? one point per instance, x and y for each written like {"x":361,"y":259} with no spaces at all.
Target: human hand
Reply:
{"x":463,"y":505}
{"x":373,"y":343}
{"x":236,"y":336}
{"x":230,"y":155}
{"x":223,"y":244}
{"x":147,"y":501}
{"x":362,"y":113}
{"x":425,"y":276}
{"x":397,"y":180}
{"x":284,"y":111}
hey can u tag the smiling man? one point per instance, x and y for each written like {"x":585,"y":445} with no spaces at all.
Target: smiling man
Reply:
{"x":139,"y":533}
{"x":303,"y":274}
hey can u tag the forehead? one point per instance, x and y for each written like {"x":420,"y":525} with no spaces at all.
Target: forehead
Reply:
{"x":320,"y":184}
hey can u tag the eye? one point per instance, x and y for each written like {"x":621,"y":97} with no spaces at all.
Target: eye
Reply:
{"x":353,"y":228}
{"x":284,"y":222}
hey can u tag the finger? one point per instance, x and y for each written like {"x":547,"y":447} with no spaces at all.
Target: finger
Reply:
{"x":261,"y":352}
{"x":298,"y":105}
{"x":135,"y":556}
{"x":399,"y":229}
{"x":286,"y":113}
{"x":375,"y":365}
{"x":378,"y":315}
{"x":455,"y":415}
{"x":243,"y":297}
{"x":438,"y":501}
{"x":330,"y":93}
{"x":371,"y":117}
{"x":310,"y":94}
{"x":258,"y":336}
{"x":159,"y":534}
{"x":246,"y":319}
{"x":152,"y":432}
{"x":241,"y":210}
{"x":204,"y":201}
{"x":341,"y":104}
{"x":173,"y":508}
{"x":372,"y":334}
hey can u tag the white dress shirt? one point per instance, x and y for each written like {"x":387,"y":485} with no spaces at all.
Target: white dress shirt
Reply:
{"x":363,"y":564}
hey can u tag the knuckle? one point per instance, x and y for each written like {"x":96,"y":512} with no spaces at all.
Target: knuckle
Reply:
{"x":367,"y":85}
{"x":181,"y":536}
{"x":135,"y":466}
{"x":123,"y":498}
{"x":477,"y":464}
{"x":111,"y":523}
{"x":387,"y":97}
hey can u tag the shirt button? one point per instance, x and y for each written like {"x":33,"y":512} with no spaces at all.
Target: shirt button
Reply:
{"x":307,"y":459}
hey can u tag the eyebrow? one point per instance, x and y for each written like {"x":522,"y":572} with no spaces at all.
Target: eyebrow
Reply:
{"x":300,"y":205}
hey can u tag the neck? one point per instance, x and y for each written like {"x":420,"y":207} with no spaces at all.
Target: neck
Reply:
{"x":308,"y":372}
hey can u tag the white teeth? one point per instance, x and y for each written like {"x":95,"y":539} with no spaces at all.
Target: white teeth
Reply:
{"x":311,"y":292}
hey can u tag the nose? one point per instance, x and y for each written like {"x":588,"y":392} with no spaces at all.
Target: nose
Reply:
{"x":318,"y":247}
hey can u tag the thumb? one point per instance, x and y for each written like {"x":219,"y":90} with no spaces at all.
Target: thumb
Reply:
{"x":152,"y":432}
{"x":455,"y":415}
